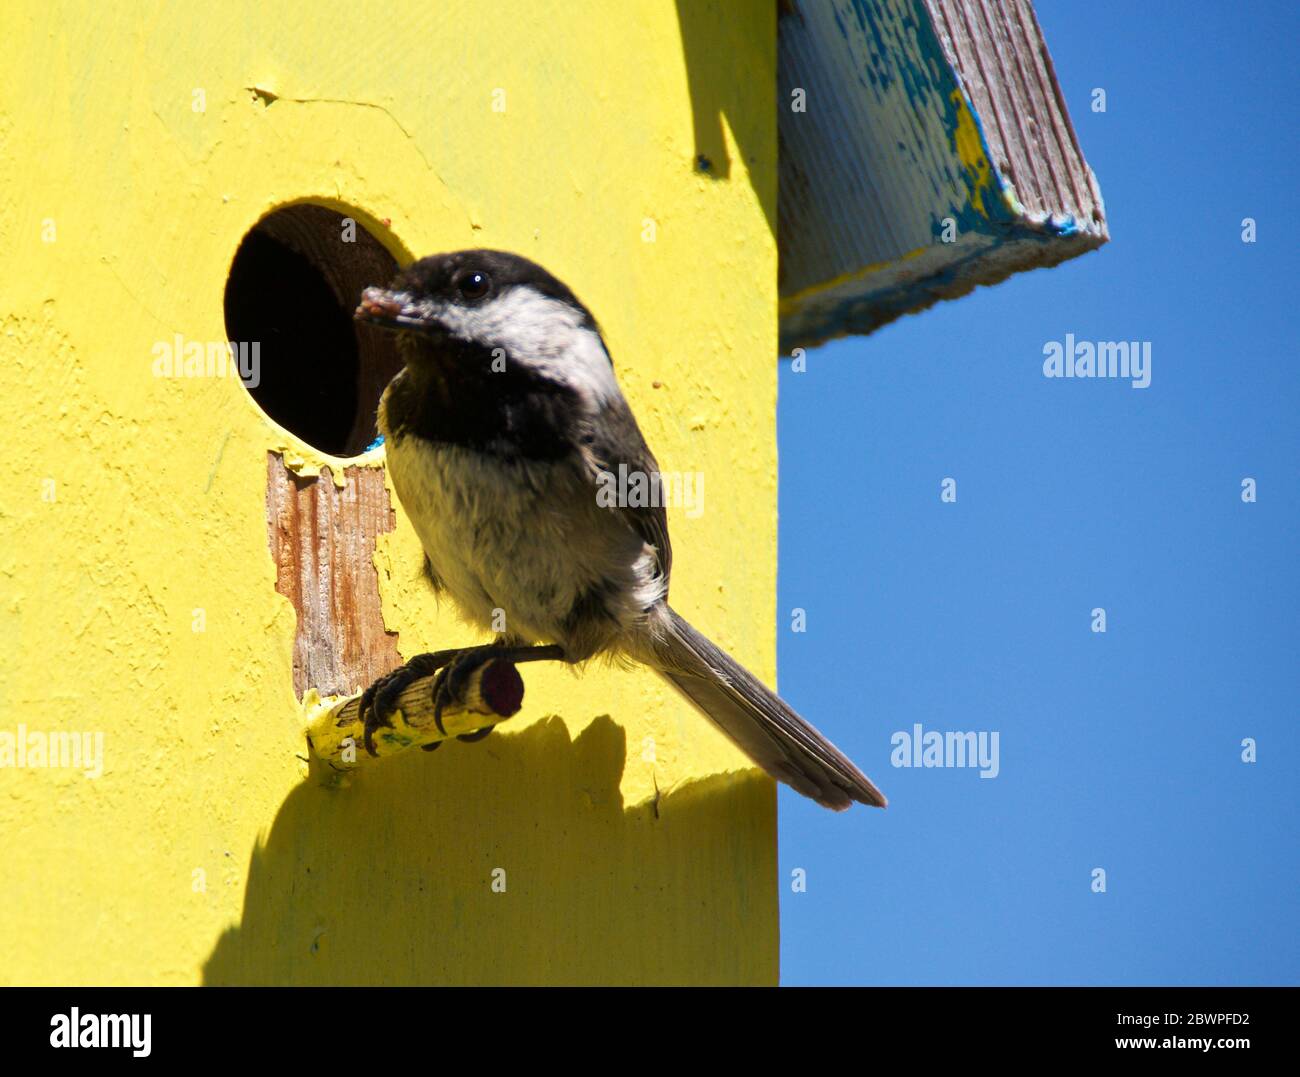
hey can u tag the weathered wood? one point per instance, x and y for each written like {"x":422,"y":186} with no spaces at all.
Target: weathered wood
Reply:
{"x":322,"y":540}
{"x":925,"y":149}
{"x":997,"y":49}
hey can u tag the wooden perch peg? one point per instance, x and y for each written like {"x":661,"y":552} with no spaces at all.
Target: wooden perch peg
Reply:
{"x":336,"y":739}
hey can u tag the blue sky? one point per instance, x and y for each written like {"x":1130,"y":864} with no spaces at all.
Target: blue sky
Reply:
{"x":1121,"y":750}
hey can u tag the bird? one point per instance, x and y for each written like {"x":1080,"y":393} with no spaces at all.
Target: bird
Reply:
{"x":499,"y":431}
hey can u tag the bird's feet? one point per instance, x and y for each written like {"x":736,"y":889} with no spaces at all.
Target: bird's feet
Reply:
{"x":453,"y":669}
{"x":453,"y":678}
{"x":380,"y":700}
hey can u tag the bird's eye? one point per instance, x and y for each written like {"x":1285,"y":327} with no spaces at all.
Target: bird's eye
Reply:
{"x":474,"y":285}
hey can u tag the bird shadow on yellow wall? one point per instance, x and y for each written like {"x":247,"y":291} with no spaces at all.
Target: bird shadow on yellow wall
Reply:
{"x":511,"y":861}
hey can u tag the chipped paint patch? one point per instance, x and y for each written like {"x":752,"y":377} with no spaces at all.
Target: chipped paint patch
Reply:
{"x":972,"y":151}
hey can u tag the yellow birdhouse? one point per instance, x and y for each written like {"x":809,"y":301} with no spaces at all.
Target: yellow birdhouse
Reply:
{"x":203,"y":543}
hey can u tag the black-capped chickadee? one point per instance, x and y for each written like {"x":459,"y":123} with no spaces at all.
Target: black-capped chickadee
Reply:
{"x":498,"y":432}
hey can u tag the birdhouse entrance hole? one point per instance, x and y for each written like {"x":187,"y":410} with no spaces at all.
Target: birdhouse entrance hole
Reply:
{"x":293,"y":285}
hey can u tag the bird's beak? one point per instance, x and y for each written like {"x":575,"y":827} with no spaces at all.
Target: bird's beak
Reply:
{"x":391,"y":310}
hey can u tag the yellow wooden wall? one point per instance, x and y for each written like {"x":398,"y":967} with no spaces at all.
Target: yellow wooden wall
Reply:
{"x":131,"y":501}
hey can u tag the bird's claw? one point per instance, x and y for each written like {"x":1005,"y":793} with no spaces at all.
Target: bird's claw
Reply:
{"x":379,"y":701}
{"x":451,"y":671}
{"x":449,"y":686}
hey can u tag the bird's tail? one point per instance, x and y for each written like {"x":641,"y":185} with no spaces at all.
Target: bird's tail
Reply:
{"x":760,"y":723}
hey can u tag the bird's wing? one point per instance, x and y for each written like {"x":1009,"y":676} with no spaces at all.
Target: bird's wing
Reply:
{"x":618,"y":440}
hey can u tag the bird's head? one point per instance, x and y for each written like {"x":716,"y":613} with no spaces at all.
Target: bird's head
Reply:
{"x":478,"y":312}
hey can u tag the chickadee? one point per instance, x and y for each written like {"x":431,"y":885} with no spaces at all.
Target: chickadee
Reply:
{"x":497,"y":432}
